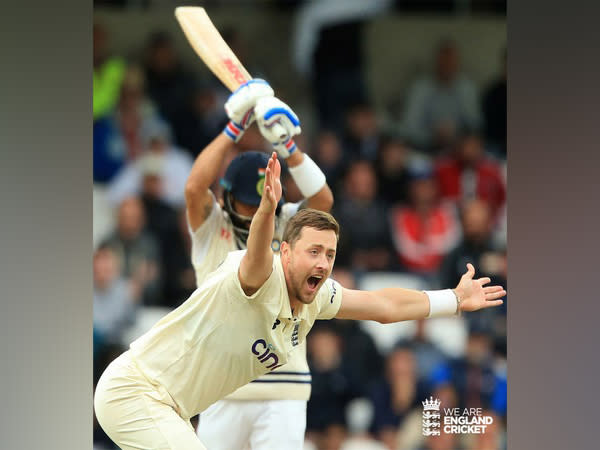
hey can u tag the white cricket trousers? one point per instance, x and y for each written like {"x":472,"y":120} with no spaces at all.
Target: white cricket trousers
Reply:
{"x":138,"y":415}
{"x":253,"y":424}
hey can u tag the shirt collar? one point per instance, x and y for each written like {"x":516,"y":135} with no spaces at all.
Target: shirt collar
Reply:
{"x":286,"y":309}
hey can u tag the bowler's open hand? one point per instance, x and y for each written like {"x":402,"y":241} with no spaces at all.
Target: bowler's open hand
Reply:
{"x":474,"y":295}
{"x":272,"y":191}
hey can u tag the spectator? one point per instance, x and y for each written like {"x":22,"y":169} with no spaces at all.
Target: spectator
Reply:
{"x":117,"y":137}
{"x":169,"y":83}
{"x":362,"y":137}
{"x":427,"y":354}
{"x":200,"y":119}
{"x":328,"y":51}
{"x":137,"y":249}
{"x":445,"y":441}
{"x":477,"y":247}
{"x":438,"y":106}
{"x":396,"y":395}
{"x":332,"y":437}
{"x":329,"y":156}
{"x":359,"y":351}
{"x":108,"y":75}
{"x":362,"y":442}
{"x":425,"y":229}
{"x":115,"y":299}
{"x":495,"y":112}
{"x":494,"y":437}
{"x":333,"y":383}
{"x":468,"y":173}
{"x":161,"y":218}
{"x":473,"y":376}
{"x":392,"y":172}
{"x":365,"y":241}
{"x":169,"y":226}
{"x":179,"y":276}
{"x":160,"y":156}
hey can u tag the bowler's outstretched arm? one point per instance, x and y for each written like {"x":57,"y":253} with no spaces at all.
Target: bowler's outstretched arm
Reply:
{"x":397,"y":304}
{"x":257,"y":263}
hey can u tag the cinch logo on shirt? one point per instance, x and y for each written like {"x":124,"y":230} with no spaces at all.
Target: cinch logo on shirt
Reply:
{"x":266,"y":355}
{"x":333,"y":293}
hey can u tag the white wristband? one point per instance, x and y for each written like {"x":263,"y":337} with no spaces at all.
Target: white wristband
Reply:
{"x":442,"y":303}
{"x":308,"y":177}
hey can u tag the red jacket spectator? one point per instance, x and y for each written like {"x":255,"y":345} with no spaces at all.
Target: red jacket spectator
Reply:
{"x":425,"y":230}
{"x":422,"y":241}
{"x":469,"y":174}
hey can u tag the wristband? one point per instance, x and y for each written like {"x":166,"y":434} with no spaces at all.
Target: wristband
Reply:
{"x":308,"y":177}
{"x":442,"y":303}
{"x":233,"y":131}
{"x":290,"y":147}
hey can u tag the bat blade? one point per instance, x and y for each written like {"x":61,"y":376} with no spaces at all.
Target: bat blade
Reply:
{"x":208,"y":43}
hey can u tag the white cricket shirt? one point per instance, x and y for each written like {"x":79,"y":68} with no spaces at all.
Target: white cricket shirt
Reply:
{"x":211,"y":243}
{"x":220,"y":339}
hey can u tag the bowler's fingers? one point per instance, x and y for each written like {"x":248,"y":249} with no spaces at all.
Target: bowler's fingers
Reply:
{"x":492,"y":289}
{"x":470,"y":271}
{"x":491,"y":304}
{"x":277,"y":167}
{"x":494,"y":295}
{"x":483,"y":281}
{"x":269,"y":175}
{"x":269,"y":182}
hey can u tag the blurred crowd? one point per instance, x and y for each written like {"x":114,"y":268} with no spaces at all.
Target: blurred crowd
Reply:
{"x":416,"y":200}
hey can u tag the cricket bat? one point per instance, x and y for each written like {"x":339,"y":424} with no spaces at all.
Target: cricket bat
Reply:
{"x":208,"y":43}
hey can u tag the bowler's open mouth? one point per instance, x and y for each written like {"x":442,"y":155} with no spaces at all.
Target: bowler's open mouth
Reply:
{"x":313,"y":281}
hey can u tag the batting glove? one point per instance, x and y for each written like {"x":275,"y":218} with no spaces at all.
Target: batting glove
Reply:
{"x":278,"y":124}
{"x":240,"y":106}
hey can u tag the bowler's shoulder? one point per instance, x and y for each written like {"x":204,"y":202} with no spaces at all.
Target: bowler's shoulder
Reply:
{"x":329,"y":291}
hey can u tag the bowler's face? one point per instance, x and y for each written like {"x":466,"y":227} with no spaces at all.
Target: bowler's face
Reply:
{"x":310,"y":262}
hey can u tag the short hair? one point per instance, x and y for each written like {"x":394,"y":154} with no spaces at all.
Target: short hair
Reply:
{"x":311,"y":218}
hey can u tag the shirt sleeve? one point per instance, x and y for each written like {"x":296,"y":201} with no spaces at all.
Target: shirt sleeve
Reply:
{"x":330,"y":299}
{"x":203,"y":236}
{"x":232,"y":281}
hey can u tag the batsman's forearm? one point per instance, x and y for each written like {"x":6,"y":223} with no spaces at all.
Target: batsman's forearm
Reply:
{"x":403,"y":304}
{"x":208,"y":164}
{"x":295,"y":158}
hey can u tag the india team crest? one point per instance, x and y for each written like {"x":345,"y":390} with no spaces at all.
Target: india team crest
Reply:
{"x":275,"y":245}
{"x":260,"y":185}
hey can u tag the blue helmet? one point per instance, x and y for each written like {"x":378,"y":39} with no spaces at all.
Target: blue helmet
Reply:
{"x":244,"y":181}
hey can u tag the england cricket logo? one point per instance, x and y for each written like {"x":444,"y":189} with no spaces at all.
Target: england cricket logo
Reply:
{"x":455,"y":421}
{"x":431,"y":417}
